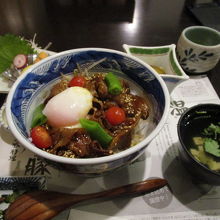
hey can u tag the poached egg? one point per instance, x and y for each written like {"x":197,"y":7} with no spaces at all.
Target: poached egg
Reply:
{"x":66,"y":108}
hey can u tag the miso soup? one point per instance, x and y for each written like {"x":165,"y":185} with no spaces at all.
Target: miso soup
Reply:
{"x":202,"y":137}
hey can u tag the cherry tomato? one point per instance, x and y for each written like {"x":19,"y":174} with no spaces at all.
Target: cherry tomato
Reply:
{"x":115,"y":115}
{"x":40,"y":137}
{"x":77,"y":81}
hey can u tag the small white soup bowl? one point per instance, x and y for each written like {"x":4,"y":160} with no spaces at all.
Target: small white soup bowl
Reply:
{"x":31,"y":88}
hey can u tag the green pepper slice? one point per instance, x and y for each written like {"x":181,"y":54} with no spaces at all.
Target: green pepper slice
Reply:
{"x":113,"y":83}
{"x":38,"y":117}
{"x":96,"y":131}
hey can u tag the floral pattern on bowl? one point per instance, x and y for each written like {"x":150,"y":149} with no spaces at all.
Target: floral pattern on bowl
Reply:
{"x":190,"y":56}
{"x":163,"y":57}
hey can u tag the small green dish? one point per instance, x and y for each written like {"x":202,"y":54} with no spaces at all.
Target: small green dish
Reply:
{"x":162,"y":59}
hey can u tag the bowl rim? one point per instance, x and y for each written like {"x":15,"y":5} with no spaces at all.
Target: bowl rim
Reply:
{"x":86,"y":161}
{"x":182,"y":145}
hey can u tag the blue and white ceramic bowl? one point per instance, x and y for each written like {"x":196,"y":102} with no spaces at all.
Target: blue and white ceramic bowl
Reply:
{"x":33,"y":86}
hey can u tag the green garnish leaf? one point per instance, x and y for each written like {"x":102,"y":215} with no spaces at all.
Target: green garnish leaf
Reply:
{"x":10,"y":46}
{"x":211,"y":146}
{"x":10,"y":198}
{"x":212,"y":130}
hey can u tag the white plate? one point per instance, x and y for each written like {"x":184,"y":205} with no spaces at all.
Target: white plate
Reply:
{"x":6,"y":84}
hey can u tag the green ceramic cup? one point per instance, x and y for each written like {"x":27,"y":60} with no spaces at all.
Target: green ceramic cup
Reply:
{"x":198,"y":49}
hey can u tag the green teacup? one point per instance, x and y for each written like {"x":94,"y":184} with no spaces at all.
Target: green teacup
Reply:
{"x":198,"y":49}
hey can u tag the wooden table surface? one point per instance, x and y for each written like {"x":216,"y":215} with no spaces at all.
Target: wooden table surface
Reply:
{"x":70,"y":24}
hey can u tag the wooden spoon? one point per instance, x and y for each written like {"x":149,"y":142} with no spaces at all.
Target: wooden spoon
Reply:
{"x":44,"y":205}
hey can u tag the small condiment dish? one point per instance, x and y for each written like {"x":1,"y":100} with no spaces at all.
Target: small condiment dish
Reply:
{"x":163,"y":59}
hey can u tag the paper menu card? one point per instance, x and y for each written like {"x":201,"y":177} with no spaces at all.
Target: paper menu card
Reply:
{"x":78,"y":214}
{"x":159,"y":160}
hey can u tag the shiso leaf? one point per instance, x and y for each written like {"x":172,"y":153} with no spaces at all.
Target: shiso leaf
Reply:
{"x":211,"y":146}
{"x":10,"y":46}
